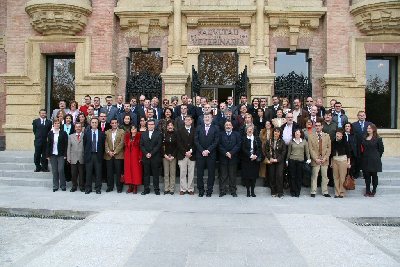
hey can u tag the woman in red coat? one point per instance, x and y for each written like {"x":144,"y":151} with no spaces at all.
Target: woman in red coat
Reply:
{"x":133,"y":160}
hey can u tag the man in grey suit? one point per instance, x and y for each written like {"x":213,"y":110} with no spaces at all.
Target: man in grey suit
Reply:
{"x":75,"y":158}
{"x":110,"y":110}
{"x":62,"y":104}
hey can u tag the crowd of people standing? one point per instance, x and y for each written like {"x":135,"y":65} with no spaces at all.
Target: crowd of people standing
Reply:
{"x":127,"y":143}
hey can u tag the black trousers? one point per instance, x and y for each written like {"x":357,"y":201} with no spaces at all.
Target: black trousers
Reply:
{"x":78,"y":170}
{"x":151,"y":166}
{"x":201,"y":163}
{"x":367,"y":177}
{"x":95,"y":164}
{"x":275,"y":172}
{"x":39,"y":158}
{"x":227,"y":176}
{"x":296,"y":176}
{"x":114,"y":168}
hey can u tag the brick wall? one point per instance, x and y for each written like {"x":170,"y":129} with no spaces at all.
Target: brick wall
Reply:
{"x":3,"y":69}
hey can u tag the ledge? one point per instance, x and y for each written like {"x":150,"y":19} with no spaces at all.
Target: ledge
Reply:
{"x":377,"y":17}
{"x":58,"y":17}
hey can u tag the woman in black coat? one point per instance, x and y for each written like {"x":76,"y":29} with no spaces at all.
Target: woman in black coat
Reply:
{"x":275,"y":151}
{"x":57,"y":142}
{"x":371,"y":154}
{"x":251,"y":157}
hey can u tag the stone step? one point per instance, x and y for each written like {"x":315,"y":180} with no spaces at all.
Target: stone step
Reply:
{"x":24,"y":174}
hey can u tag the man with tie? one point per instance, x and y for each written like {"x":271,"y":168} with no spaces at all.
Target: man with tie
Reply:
{"x":191,"y":110}
{"x":93,"y":143}
{"x":41,"y":128}
{"x":314,"y":115}
{"x":360,"y":131}
{"x":268,"y":114}
{"x":319,"y":144}
{"x":186,"y":155}
{"x":230,"y":105}
{"x":75,"y":158}
{"x":114,"y":156}
{"x":179,"y":121}
{"x":110,"y":110}
{"x":134,"y":105}
{"x":96,"y":105}
{"x":206,"y":140}
{"x":150,"y":144}
{"x":309,"y":104}
{"x":158,"y":113}
{"x":62,"y":104}
{"x":120,"y":104}
{"x":229,"y":147}
{"x":104,"y":126}
{"x":320,"y":107}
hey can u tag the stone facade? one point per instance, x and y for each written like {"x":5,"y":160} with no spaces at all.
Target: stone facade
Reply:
{"x":100,"y":33}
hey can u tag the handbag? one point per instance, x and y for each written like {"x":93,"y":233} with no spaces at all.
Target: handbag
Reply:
{"x":349,"y":183}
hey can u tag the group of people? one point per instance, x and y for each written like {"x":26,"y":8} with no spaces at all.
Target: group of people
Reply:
{"x":133,"y":141}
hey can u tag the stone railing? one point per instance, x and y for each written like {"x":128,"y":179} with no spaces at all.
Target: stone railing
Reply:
{"x":377,"y":17}
{"x":58,"y":17}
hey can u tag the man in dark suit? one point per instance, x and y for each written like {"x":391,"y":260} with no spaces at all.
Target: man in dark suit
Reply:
{"x":275,"y":105}
{"x":150,"y":144}
{"x":179,"y":121}
{"x":268,"y":113}
{"x":120,"y":104}
{"x":299,"y":115}
{"x":191,"y":110}
{"x":93,"y":143}
{"x":103,"y":124}
{"x":186,"y":155}
{"x":360,"y":131}
{"x":230,"y":105}
{"x":229,"y":147}
{"x":41,"y":128}
{"x":206,"y":140}
{"x":309,"y":104}
{"x":158,"y":112}
{"x":110,"y":110}
{"x":127,"y":111}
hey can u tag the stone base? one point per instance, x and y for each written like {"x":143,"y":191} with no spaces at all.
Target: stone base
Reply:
{"x":261,"y":85}
{"x":391,"y":141}
{"x":175,"y":84}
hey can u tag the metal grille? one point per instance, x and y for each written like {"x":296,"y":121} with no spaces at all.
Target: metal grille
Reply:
{"x":293,"y":86}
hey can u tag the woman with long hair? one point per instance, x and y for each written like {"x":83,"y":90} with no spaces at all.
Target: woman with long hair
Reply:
{"x":340,"y":162}
{"x":162,"y":124}
{"x":276,"y":151}
{"x":82,"y":119}
{"x":285,"y":106}
{"x":352,"y":142}
{"x":279,"y":120}
{"x":371,"y":152}
{"x":133,"y":171}
{"x":265,"y":136}
{"x":142,"y":125}
{"x":126,"y":123}
{"x":259,"y":120}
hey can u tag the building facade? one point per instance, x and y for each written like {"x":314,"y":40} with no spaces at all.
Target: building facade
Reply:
{"x":334,"y":49}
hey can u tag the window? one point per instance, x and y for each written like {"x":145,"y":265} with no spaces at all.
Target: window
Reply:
{"x":60,"y":81}
{"x":380,"y":91}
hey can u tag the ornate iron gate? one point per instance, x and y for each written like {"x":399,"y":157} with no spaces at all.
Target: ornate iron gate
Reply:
{"x":218,"y":70}
{"x":144,"y":71}
{"x":293,"y":86}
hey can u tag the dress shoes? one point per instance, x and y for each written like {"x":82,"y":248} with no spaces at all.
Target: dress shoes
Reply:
{"x":336,"y":196}
{"x":73,"y":189}
{"x":191,"y":193}
{"x":63,"y":189}
{"x":157,"y":192}
{"x":45,"y":170}
{"x":98,"y":192}
{"x":145,"y":192}
{"x":181,"y":193}
{"x":166,"y":192}
{"x":253,"y":195}
{"x":82,"y":189}
{"x":109,"y":190}
{"x":312,"y":195}
{"x":54,"y":190}
{"x":119,"y":191}
{"x":37,"y":170}
{"x":234,"y":194}
{"x":222,"y":194}
{"x":327,"y":195}
{"x":171,"y":193}
{"x":201,"y":194}
{"x":208,"y":195}
{"x":88,"y":192}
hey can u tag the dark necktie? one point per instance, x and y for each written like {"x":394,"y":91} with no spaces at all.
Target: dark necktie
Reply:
{"x":94,"y":142}
{"x":79,"y":137}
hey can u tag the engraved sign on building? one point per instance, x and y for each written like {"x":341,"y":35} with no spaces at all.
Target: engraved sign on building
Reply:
{"x":218,"y":37}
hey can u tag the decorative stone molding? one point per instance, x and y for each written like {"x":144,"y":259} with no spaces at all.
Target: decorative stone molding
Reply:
{"x":55,"y":17}
{"x":296,"y":22}
{"x":218,"y":16}
{"x":243,"y":49}
{"x":193,"y":49}
{"x":148,"y":20}
{"x":377,"y":17}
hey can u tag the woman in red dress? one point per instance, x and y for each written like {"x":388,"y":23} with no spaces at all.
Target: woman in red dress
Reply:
{"x":133,"y":160}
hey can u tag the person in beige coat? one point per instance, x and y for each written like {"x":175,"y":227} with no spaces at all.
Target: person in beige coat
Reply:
{"x":319,"y":144}
{"x":114,"y":156}
{"x":75,"y":158}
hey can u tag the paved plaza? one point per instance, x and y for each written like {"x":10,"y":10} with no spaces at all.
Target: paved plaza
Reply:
{"x":134,"y":230}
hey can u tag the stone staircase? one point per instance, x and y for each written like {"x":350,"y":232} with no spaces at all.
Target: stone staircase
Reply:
{"x":16,"y":169}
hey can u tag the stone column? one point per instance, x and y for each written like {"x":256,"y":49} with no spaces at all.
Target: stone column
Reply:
{"x":261,"y":78}
{"x":175,"y":77}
